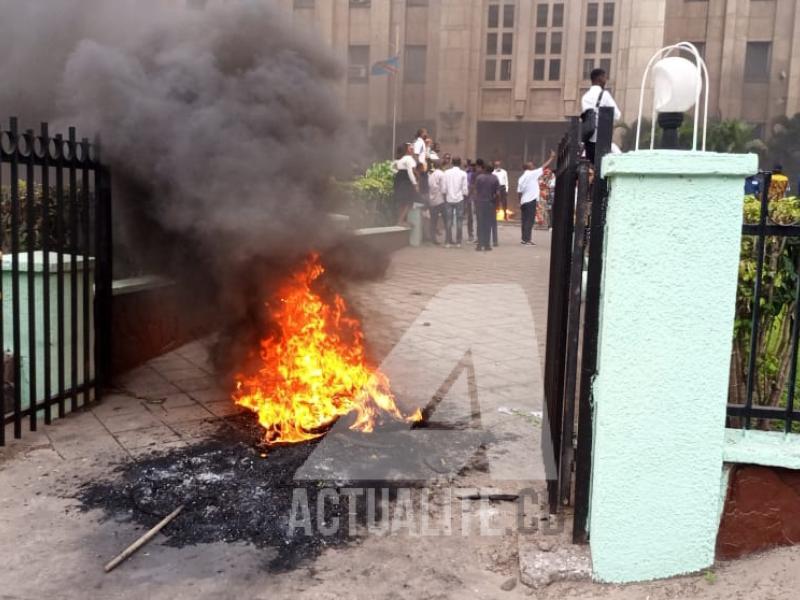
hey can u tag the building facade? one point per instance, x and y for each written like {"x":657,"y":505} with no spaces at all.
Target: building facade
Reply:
{"x":498,"y":77}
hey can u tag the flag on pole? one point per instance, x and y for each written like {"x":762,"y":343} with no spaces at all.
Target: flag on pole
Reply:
{"x":390,"y":66}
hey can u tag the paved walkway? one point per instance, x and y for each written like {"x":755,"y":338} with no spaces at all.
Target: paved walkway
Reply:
{"x":460,"y":331}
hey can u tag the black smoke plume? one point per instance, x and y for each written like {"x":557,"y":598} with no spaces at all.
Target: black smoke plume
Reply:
{"x":222,"y":128}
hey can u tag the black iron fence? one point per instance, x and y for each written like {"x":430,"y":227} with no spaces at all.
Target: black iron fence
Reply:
{"x":55,"y":235}
{"x":576,"y":262}
{"x":763,"y":384}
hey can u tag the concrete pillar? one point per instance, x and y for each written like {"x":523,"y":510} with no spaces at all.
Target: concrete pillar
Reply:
{"x":667,"y":312}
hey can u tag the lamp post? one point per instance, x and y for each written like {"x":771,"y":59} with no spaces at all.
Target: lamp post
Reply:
{"x":677,"y":83}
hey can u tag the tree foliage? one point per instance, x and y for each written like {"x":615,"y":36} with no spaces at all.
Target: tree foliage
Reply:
{"x":784,"y":145}
{"x":777,"y":303}
{"x":729,"y":136}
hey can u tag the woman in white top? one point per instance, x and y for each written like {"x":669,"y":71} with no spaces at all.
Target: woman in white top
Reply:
{"x":406,"y":187}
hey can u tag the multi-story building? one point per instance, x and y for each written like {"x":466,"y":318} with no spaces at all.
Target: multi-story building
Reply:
{"x":497,"y":77}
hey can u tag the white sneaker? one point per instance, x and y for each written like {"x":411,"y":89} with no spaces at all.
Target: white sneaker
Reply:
{"x":458,"y":245}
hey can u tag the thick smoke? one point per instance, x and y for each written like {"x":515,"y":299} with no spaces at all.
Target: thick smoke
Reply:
{"x":222,"y":128}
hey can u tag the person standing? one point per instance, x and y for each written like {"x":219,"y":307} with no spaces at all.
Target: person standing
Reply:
{"x":529,"y":190}
{"x":406,"y":187}
{"x":421,"y":149}
{"x":487,"y":191}
{"x":779,"y":185}
{"x":597,"y":97}
{"x":473,"y":170}
{"x":502,"y":177}
{"x":436,"y":201}
{"x":456,"y":190}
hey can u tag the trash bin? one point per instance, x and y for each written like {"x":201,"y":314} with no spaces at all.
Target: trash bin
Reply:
{"x":24,"y":356}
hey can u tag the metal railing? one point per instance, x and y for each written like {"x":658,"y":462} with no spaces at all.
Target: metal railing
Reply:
{"x":765,"y":356}
{"x":573,"y":318}
{"x":55,"y":235}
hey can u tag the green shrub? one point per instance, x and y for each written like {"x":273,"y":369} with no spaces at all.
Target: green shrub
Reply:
{"x":372,"y":195}
{"x":777,"y":303}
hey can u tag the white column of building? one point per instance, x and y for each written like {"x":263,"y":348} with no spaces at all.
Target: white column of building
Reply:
{"x":643,"y":37}
{"x":734,"y":50}
{"x":522,"y":58}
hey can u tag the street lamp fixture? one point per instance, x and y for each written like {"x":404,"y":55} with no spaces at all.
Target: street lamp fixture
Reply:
{"x":677,"y":88}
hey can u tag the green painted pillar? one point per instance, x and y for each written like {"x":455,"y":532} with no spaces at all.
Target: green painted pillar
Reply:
{"x":667,"y":310}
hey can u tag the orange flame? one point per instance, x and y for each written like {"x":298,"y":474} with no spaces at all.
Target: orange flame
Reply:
{"x":501,"y":216}
{"x":315,"y":370}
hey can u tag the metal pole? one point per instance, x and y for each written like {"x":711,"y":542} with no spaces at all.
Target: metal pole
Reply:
{"x":396,"y":92}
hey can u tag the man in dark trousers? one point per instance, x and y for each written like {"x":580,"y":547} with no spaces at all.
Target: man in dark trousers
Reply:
{"x":528,"y":189}
{"x":487,"y":193}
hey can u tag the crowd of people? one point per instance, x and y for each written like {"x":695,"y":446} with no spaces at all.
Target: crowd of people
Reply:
{"x":455,"y":193}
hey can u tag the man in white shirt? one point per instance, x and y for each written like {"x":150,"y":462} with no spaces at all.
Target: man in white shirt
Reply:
{"x":502,"y":177}
{"x":528,"y":189}
{"x":436,"y":201}
{"x":421,"y":148}
{"x":598,"y":97}
{"x":456,"y":189}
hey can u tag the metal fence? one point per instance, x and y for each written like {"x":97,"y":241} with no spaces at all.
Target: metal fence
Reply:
{"x":765,"y":356}
{"x":578,"y":219}
{"x":56,"y":274}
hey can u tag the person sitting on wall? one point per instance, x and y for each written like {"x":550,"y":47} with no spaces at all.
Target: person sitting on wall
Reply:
{"x":596,"y":98}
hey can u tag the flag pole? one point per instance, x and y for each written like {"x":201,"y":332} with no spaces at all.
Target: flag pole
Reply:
{"x":396,"y":92}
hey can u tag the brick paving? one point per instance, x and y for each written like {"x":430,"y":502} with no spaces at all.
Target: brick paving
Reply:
{"x":455,"y":328}
{"x":416,"y":275}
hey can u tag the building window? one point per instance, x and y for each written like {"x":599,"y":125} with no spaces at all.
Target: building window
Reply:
{"x":500,"y":40}
{"x":548,"y":41}
{"x":540,"y":46}
{"x":508,"y":44}
{"x":606,"y":42}
{"x":418,"y":2}
{"x":505,"y":70}
{"x":558,"y":15}
{"x":416,"y":66}
{"x":590,"y":47}
{"x":555,"y":42}
{"x":538,"y":69}
{"x":608,"y":14}
{"x":508,"y":16}
{"x":541,"y":15}
{"x":555,"y":70}
{"x":491,"y":69}
{"x":588,"y":66}
{"x":494,"y":16}
{"x":360,"y":3}
{"x":358,"y":64}
{"x":592,"y":10}
{"x":304,"y":4}
{"x":598,"y":47}
{"x":757,"y":61}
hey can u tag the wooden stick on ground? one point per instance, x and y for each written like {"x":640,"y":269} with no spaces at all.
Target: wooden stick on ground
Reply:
{"x":143,"y":540}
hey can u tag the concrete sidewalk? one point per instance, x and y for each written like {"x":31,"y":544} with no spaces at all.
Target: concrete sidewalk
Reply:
{"x":475,"y":320}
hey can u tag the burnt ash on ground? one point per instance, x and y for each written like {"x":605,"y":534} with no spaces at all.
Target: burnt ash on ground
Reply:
{"x":235,"y":489}
{"x":231,"y":493}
